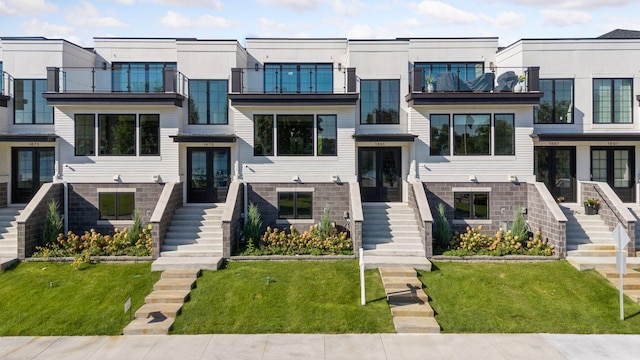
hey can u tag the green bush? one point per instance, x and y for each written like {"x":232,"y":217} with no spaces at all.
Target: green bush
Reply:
{"x":252,"y":228}
{"x":93,"y":243}
{"x":519,"y":228}
{"x":441,"y":229}
{"x":136,"y":228}
{"x":276,"y":242}
{"x":473,"y":242}
{"x":52,"y":225}
{"x":326,"y":227}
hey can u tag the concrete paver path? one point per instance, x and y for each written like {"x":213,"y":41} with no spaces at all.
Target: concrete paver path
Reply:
{"x":324,"y":347}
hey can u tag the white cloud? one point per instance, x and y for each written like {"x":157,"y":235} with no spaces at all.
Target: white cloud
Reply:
{"x":506,"y":20}
{"x":124,"y":2}
{"x":348,"y":8}
{"x":439,"y":12}
{"x":565,"y":17}
{"x":25,"y":7}
{"x":270,"y":25}
{"x":576,"y":4}
{"x":360,"y":31}
{"x":88,"y":15}
{"x":610,"y":23}
{"x":176,"y":20}
{"x":212,"y":4}
{"x":295,"y":5}
{"x":35,"y":27}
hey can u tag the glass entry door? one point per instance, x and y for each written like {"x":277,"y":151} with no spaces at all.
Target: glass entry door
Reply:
{"x":556,"y":168}
{"x":208,"y":174}
{"x":379,"y":174}
{"x":31,"y":167}
{"x":615,"y":166}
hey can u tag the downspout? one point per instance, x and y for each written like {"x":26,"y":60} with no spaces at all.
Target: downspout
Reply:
{"x":66,"y":207}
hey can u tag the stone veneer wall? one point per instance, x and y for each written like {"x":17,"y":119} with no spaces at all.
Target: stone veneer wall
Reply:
{"x":232,"y":220}
{"x":170,"y":200}
{"x":4,"y":194}
{"x":425,"y":225}
{"x":31,"y":220}
{"x":84,"y":207}
{"x":508,"y":196}
{"x":612,"y":210}
{"x":545,"y":215}
{"x":325,"y":195}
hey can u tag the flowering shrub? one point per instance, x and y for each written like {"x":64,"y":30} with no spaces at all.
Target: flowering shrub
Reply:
{"x":277,"y":242}
{"x":93,"y":243}
{"x":592,"y":202}
{"x":473,"y":242}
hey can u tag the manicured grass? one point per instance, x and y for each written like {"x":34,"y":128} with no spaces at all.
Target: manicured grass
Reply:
{"x":80,"y":302}
{"x":549,"y":297}
{"x":301,"y":297}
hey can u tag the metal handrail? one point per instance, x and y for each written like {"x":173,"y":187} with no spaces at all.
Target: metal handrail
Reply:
{"x":621,"y":221}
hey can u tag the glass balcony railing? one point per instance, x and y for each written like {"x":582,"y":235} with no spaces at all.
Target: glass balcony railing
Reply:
{"x":495,"y":80}
{"x":293,"y":79}
{"x":106,"y":80}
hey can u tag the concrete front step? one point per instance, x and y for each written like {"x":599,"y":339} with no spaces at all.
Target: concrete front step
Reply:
{"x":373,"y":262}
{"x":203,"y":248}
{"x":170,"y":310}
{"x":413,"y":246}
{"x":416,"y":324}
{"x":612,"y":273}
{"x":394,"y":252}
{"x":401,"y":282}
{"x":204,"y":263}
{"x":179,"y":235}
{"x":191,"y":273}
{"x":192,"y":254}
{"x":592,"y":246}
{"x":167,"y":297}
{"x":391,"y":239}
{"x":416,"y":296}
{"x":395,"y":272}
{"x":587,"y":263}
{"x":403,"y":309}
{"x":591,"y":253}
{"x":149,"y":326}
{"x":174,"y":284}
{"x":7,"y":261}
{"x":188,"y":241}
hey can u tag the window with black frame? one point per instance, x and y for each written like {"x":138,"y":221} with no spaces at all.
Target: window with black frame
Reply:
{"x":379,"y":101}
{"x":612,"y":101}
{"x":29,"y":107}
{"x":208,"y":103}
{"x":301,"y":78}
{"x":116,"y":205}
{"x":472,"y":134}
{"x":471,"y":205}
{"x":439,"y":135}
{"x":556,"y":106}
{"x":295,"y":205}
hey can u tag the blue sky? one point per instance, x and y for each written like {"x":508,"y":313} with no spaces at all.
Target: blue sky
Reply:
{"x":80,"y":20}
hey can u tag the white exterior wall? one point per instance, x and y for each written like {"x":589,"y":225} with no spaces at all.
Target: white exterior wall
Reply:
{"x":101,"y":169}
{"x":309,"y":168}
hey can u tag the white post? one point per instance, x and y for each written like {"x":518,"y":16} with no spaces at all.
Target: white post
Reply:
{"x":363,"y":300}
{"x":621,"y":299}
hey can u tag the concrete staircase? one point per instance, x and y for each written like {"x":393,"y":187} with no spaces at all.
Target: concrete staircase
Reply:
{"x":635,"y":210}
{"x":408,"y":302}
{"x":163,"y":305}
{"x":630,"y":281}
{"x":390,"y":237}
{"x":194,"y":239}
{"x":9,"y":235}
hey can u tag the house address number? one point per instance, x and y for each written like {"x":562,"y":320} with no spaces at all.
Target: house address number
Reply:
{"x":34,"y":144}
{"x":379,"y":143}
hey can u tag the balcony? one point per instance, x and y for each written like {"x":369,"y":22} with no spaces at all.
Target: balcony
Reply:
{"x":293,"y":85}
{"x":512,"y":86}
{"x":6,"y":89}
{"x":98,"y":86}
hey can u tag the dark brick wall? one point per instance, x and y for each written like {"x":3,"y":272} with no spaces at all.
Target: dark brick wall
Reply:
{"x":333,"y":196}
{"x":540,"y":217}
{"x":160,"y":228}
{"x":507,"y":196}
{"x":4,"y":194}
{"x":83,"y":204}
{"x":33,"y":217}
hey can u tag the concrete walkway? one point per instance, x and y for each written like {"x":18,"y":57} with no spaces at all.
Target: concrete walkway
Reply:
{"x":352,"y":347}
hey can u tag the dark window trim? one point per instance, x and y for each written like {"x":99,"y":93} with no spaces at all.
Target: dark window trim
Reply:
{"x":273,"y":136}
{"x":315,"y":128}
{"x":117,"y":200}
{"x":313,"y":135}
{"x":146,"y":64}
{"x":612,"y":104}
{"x":453,"y":134}
{"x":472,"y":210}
{"x":377,"y":117}
{"x":278,"y":89}
{"x":553,"y":103}
{"x":295,"y":216}
{"x":275,"y":133}
{"x":139,"y":129}
{"x":513,"y":135}
{"x":226,"y":115}
{"x":75,"y":135}
{"x":450,"y":118}
{"x":33,"y":108}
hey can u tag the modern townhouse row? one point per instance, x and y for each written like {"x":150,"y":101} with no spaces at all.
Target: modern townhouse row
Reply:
{"x":299,"y":125}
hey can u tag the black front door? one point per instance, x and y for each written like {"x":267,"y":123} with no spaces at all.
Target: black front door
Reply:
{"x":208,"y":174}
{"x":556,"y":168}
{"x":615,"y":166}
{"x":379,"y":174}
{"x":31,"y":167}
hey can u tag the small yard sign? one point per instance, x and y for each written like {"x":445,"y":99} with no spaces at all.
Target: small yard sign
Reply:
{"x":127,"y":304}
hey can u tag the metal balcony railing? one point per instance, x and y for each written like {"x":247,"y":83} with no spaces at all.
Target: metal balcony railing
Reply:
{"x":495,"y":80}
{"x":297,"y":79}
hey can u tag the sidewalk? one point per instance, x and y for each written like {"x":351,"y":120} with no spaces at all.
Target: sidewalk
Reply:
{"x":294,"y":346}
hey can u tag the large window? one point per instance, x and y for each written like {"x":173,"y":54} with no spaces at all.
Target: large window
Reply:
{"x":471,"y":205}
{"x":149,"y":134}
{"x":504,"y":131}
{"x":298,"y":78}
{"x":472,"y":134}
{"x":208,"y":102}
{"x":464,"y":71}
{"x":139,"y":77}
{"x":85,"y":141}
{"x":556,"y":106}
{"x":327,"y":135}
{"x":439,"y":135}
{"x":116,"y":205}
{"x":379,"y":101}
{"x":295,"y":205}
{"x":612,"y":101}
{"x":29,"y":105}
{"x":263,"y":135}
{"x":117,"y":134}
{"x":295,"y":135}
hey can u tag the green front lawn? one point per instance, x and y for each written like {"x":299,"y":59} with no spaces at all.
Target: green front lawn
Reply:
{"x":301,"y":297}
{"x":549,"y":297}
{"x":79,"y":302}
